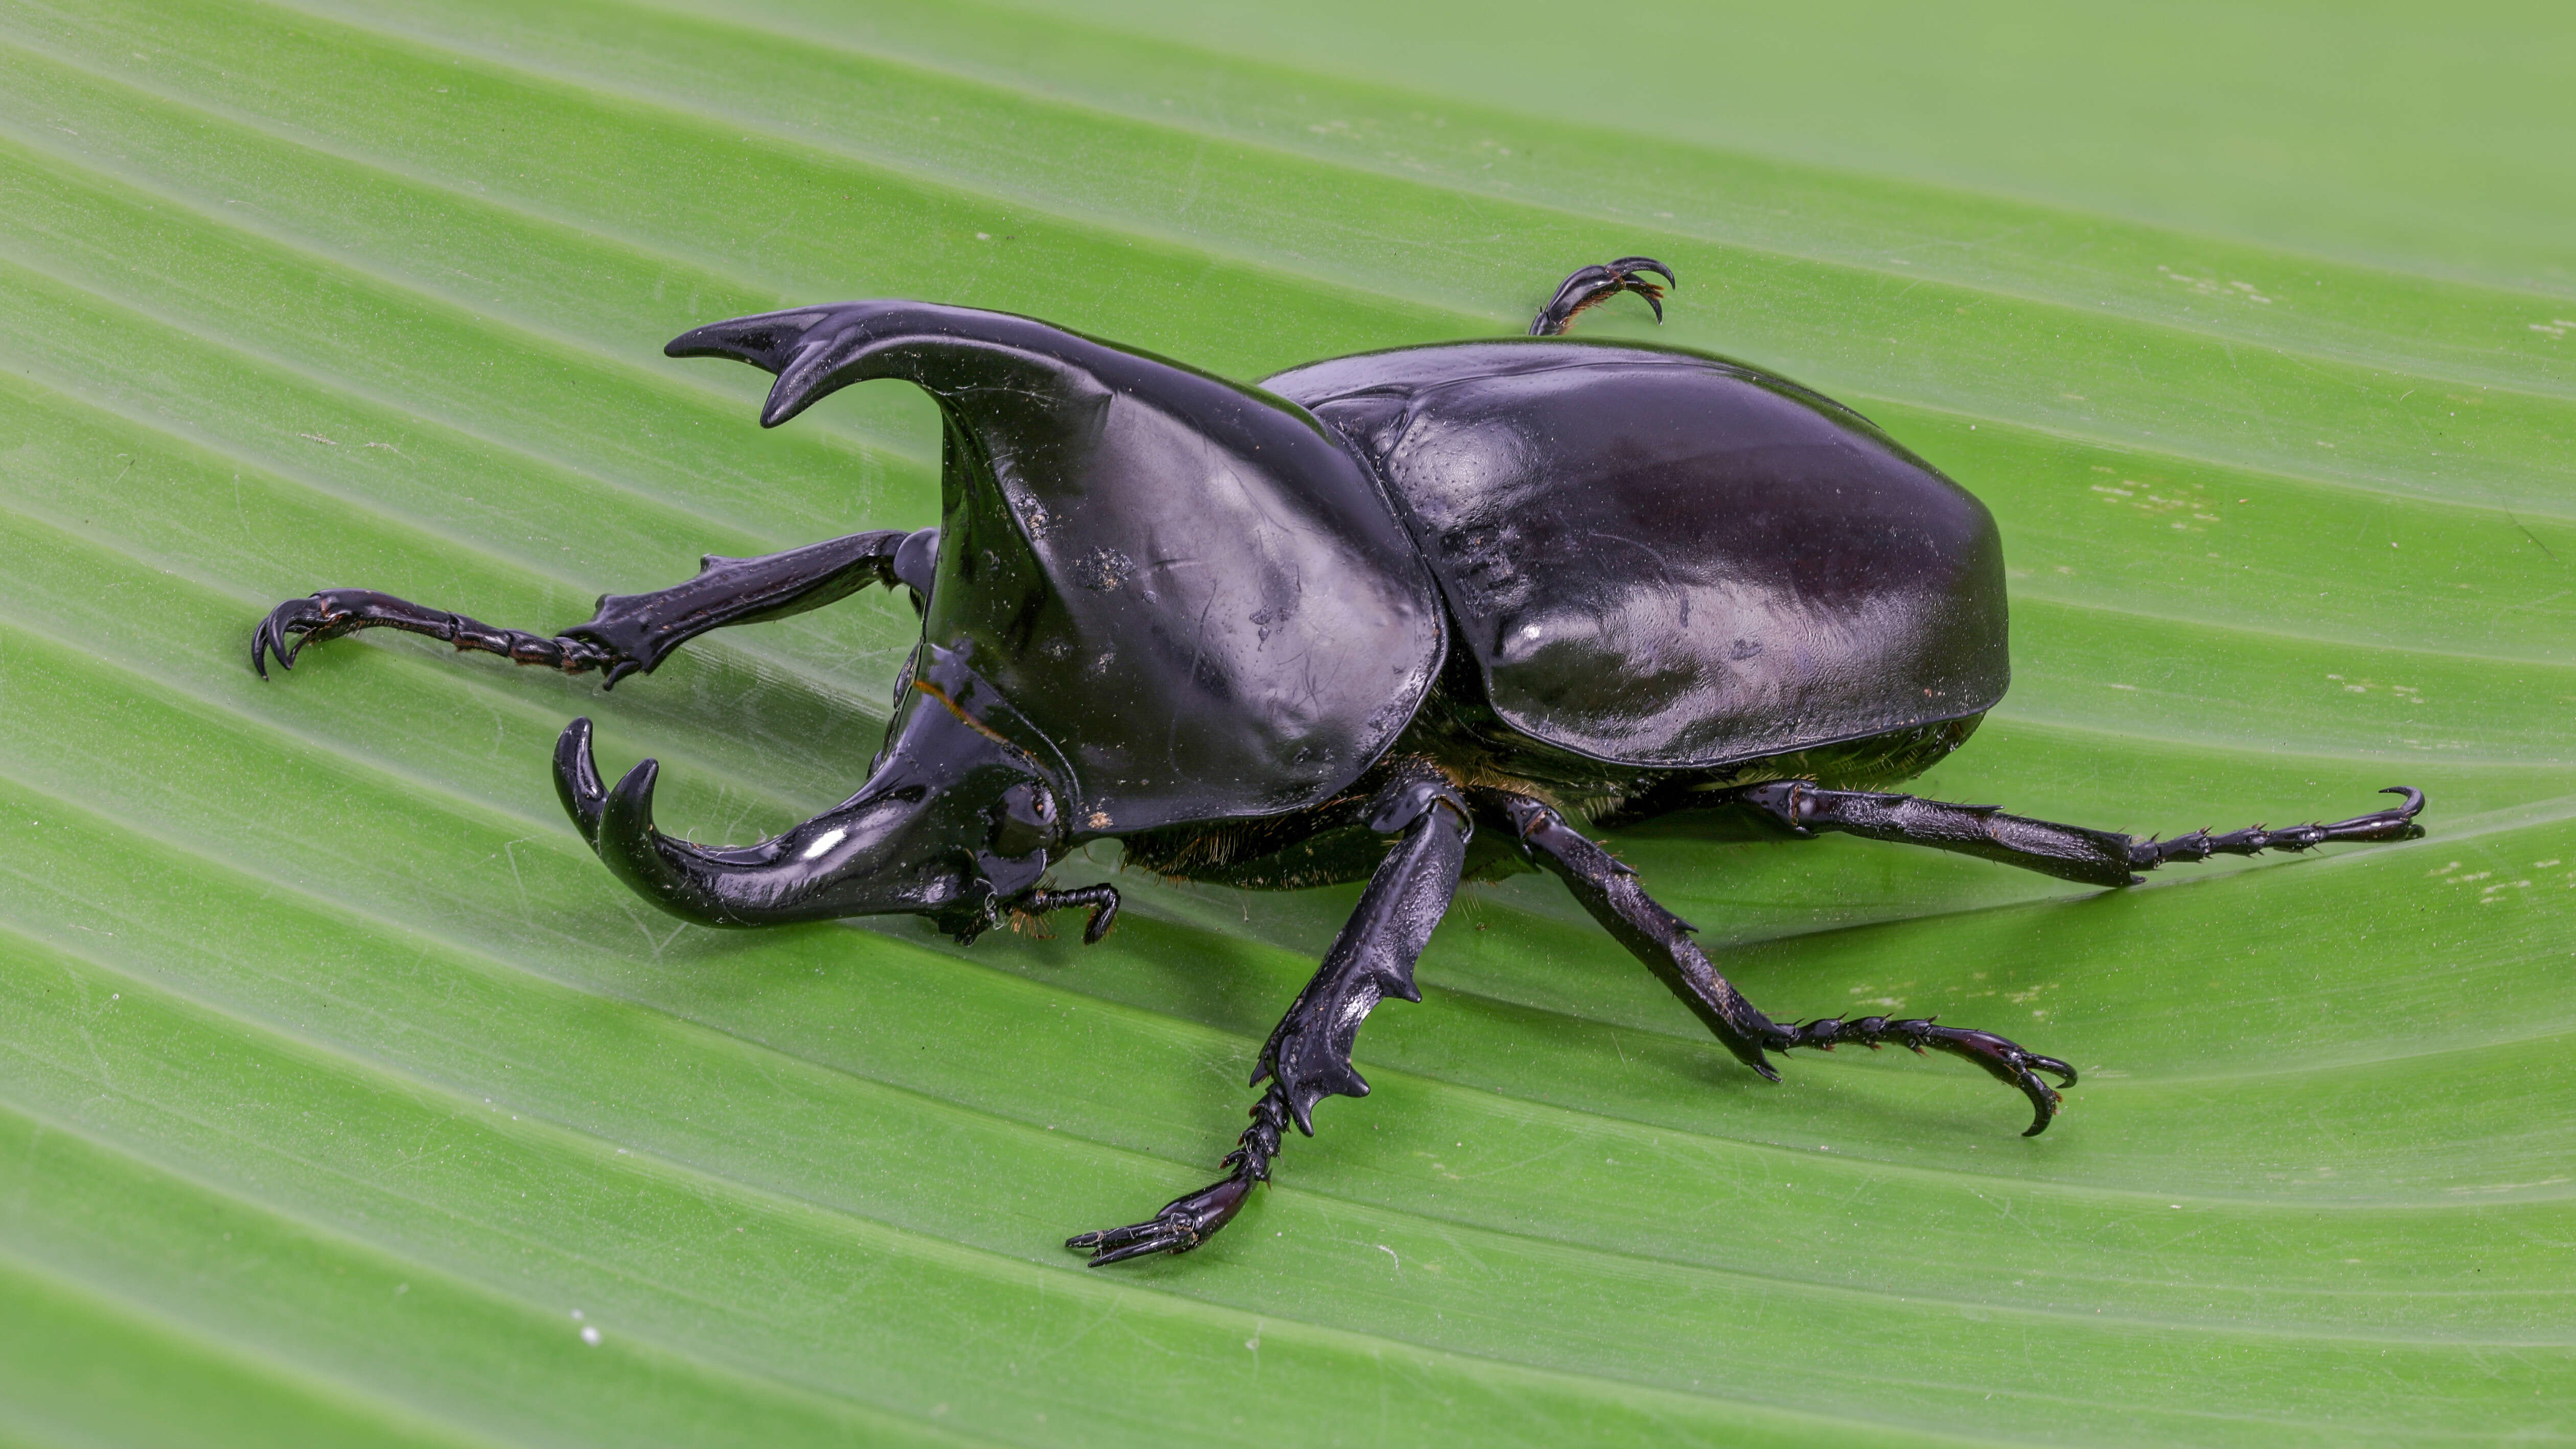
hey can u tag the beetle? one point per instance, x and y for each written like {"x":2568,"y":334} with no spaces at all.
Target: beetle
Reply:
{"x":1409,"y":617}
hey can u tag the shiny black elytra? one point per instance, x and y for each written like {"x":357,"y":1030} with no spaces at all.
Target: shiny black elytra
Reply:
{"x":1323,"y":629}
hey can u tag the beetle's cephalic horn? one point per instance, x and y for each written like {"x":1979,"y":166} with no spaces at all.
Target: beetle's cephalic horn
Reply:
{"x":909,"y":842}
{"x":577,"y":781}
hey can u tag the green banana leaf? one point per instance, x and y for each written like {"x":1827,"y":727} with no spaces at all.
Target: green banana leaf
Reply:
{"x":345,"y":1099}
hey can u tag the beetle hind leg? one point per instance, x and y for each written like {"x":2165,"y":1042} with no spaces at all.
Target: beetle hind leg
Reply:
{"x":2393,"y":824}
{"x":2007,"y":1062}
{"x":2068,"y":852}
{"x":1593,"y":286}
{"x":1662,"y":940}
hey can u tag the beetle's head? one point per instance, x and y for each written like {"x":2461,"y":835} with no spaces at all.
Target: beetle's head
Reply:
{"x":957,"y":822}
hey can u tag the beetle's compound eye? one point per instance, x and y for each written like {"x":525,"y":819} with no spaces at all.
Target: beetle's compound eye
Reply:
{"x":1025,"y":821}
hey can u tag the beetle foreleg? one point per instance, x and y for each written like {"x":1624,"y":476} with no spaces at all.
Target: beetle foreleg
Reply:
{"x":335,"y":612}
{"x":631,"y":633}
{"x":1308,"y":1056}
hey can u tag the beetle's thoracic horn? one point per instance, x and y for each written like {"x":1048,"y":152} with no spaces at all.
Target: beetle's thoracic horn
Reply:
{"x":947,"y":351}
{"x":772,"y":342}
{"x":1128,"y":544}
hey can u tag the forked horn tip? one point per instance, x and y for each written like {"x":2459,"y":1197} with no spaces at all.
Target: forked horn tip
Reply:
{"x":793,"y":391}
{"x":636,"y":853}
{"x":632,"y":800}
{"x":577,"y":780}
{"x":626,"y":838}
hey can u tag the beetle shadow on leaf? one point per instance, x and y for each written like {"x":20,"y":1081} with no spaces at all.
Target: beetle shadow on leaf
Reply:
{"x":1177,"y":969}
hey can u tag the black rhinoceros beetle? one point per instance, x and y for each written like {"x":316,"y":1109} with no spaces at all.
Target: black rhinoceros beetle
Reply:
{"x":1324,"y":629}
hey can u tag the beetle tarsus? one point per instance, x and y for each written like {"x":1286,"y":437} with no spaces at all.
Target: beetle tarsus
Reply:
{"x":1102,"y":899}
{"x":1183,"y":1224}
{"x":2396,"y":824}
{"x":1593,"y":286}
{"x":285,"y":632}
{"x":2006,"y":1061}
{"x":1192,"y":1218}
{"x":332,"y":613}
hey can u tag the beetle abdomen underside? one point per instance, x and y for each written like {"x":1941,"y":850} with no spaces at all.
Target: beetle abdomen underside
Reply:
{"x":1660,"y":558}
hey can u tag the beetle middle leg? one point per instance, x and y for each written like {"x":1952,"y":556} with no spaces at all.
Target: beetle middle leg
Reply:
{"x":1308,"y":1055}
{"x":1592,"y":286}
{"x":632,"y":632}
{"x":1662,"y":940}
